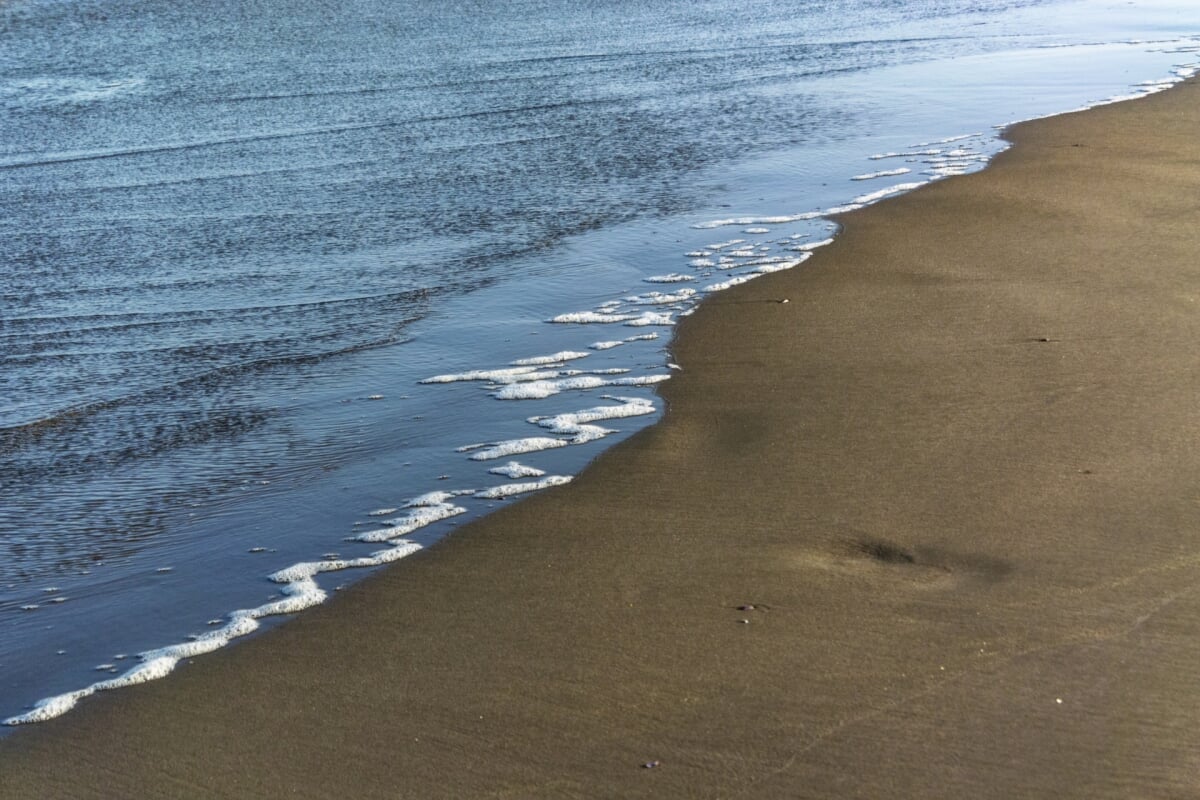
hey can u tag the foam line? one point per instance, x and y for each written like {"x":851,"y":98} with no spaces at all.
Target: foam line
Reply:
{"x":510,"y":489}
{"x":650,"y":318}
{"x":808,"y":247}
{"x":515,"y":447}
{"x":591,"y":318}
{"x":419,"y":517}
{"x":300,"y":592}
{"x":661,"y":299}
{"x":537,"y":390}
{"x":516,"y":470}
{"x":887,"y":173}
{"x":888,"y":192}
{"x":481,"y":375}
{"x":674,"y":277}
{"x":721,"y":223}
{"x":557,"y":358}
{"x":909,"y":154}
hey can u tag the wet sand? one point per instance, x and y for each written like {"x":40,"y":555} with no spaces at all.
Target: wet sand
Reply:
{"x":930,"y":529}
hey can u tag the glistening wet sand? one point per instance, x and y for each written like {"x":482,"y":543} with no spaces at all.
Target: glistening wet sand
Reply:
{"x":957,"y":476}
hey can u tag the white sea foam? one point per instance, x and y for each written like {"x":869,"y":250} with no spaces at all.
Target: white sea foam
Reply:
{"x":783,"y":220}
{"x":591,"y":318}
{"x":737,"y":280}
{"x":566,"y":423}
{"x":723,"y":245}
{"x":888,"y":192}
{"x":540,"y":375}
{"x":515,"y":470}
{"x":481,"y":375}
{"x":381,"y":512}
{"x":556,"y":358}
{"x":701,"y":263}
{"x":515,"y":447}
{"x":419,"y":517}
{"x":907,"y":154}
{"x":650,"y":318}
{"x":640,"y":380}
{"x":661,"y":299}
{"x":642,"y":337}
{"x":510,"y":489}
{"x":300,"y":592}
{"x":887,"y":173}
{"x":753,"y":262}
{"x":782,"y":264}
{"x":757,"y":230}
{"x":674,"y":277}
{"x":430,"y":499}
{"x":605,"y":345}
{"x":537,"y":390}
{"x":808,"y":247}
{"x":950,"y":139}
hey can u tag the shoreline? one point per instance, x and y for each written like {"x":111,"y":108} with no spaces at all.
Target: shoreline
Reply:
{"x":942,"y":444}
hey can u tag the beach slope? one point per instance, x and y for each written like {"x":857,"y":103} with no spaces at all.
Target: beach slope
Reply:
{"x":930,"y":529}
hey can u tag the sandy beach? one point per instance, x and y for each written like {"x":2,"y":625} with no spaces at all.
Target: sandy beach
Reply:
{"x":929,"y":529}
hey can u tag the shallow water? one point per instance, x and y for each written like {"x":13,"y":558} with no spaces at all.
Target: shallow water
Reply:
{"x":233,"y":245}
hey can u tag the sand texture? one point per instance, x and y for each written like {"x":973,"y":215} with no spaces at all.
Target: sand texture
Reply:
{"x":957,"y":477}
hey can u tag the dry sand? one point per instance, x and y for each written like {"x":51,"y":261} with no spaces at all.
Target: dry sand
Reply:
{"x":957,"y":476}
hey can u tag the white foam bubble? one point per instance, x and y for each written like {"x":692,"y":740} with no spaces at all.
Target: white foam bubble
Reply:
{"x":952,"y":139}
{"x":674,"y":277}
{"x":516,"y":470}
{"x":650,"y":318}
{"x":661,"y":298}
{"x":808,"y":247}
{"x":907,"y":154}
{"x":556,"y":358}
{"x":642,"y":337}
{"x":783,"y":264}
{"x":537,"y":390}
{"x":757,"y":230}
{"x":640,"y":380}
{"x":51,"y":707}
{"x":701,"y":263}
{"x":381,"y":512}
{"x":887,"y":173}
{"x":511,"y":489}
{"x":590,"y":318}
{"x":605,"y":345}
{"x":731,"y":282}
{"x":515,"y":447}
{"x":888,"y":192}
{"x":565,"y":423}
{"x":782,"y":220}
{"x":430,"y":499}
{"x":300,"y":593}
{"x":481,"y":375}
{"x":419,"y":517}
{"x":540,"y":375}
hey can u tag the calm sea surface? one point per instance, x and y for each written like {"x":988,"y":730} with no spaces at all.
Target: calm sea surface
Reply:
{"x":236,"y":236}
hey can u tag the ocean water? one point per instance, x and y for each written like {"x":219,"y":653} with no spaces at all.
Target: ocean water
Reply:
{"x":292,"y":289}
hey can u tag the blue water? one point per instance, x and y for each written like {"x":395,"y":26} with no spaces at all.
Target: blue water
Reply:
{"x":234,"y":238}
